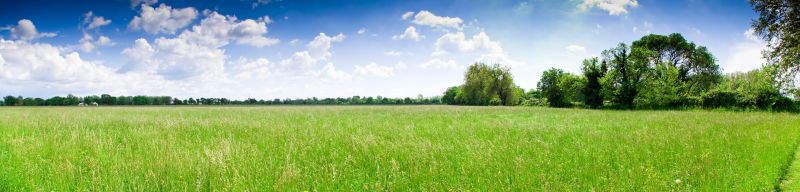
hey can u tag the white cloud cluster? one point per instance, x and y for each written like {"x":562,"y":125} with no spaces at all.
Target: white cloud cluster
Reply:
{"x":26,"y":61}
{"x":196,"y":53}
{"x":25,"y":30}
{"x":426,"y":18}
{"x":92,"y":21}
{"x":489,"y":51}
{"x":410,"y":33}
{"x":217,"y":30}
{"x":407,"y":15}
{"x":87,"y":42}
{"x":163,"y":19}
{"x":246,"y":69}
{"x":613,"y":7}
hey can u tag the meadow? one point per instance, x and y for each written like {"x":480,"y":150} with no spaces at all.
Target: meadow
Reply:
{"x":393,"y":148}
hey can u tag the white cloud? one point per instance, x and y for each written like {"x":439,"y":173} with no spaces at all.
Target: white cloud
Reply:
{"x":329,"y":72}
{"x":362,"y":31}
{"x":217,"y":30}
{"x":294,"y":42}
{"x":163,"y":19}
{"x":440,"y":64}
{"x":406,"y":15}
{"x":457,"y":42}
{"x":373,"y":69}
{"x":317,"y":50}
{"x":88,"y":43}
{"x":426,"y":18}
{"x":250,"y":69}
{"x":751,"y":35}
{"x":91,"y":21}
{"x":576,"y":49}
{"x":140,"y":57}
{"x":135,"y":3}
{"x":409,"y":33}
{"x":613,"y":7}
{"x":745,"y":55}
{"x":392,"y":53}
{"x":44,"y":62}
{"x":489,"y":51}
{"x":25,"y":30}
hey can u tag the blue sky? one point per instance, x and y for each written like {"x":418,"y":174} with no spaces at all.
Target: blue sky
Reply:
{"x":298,"y":49}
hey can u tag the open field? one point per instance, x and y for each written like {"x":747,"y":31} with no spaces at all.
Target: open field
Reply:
{"x":391,"y":148}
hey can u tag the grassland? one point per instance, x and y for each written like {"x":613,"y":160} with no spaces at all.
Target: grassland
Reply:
{"x":391,"y":148}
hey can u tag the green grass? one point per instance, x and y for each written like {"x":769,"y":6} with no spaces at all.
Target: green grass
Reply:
{"x":391,"y":148}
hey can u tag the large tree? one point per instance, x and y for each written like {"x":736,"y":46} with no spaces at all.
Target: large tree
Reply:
{"x":779,"y":24}
{"x":488,"y":85}
{"x":593,"y":72}
{"x":550,"y":85}
{"x":626,"y":73}
{"x":697,"y":71}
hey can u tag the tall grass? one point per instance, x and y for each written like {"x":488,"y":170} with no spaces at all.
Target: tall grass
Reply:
{"x":354,"y":148}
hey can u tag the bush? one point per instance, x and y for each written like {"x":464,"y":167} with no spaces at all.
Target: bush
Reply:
{"x":719,"y":98}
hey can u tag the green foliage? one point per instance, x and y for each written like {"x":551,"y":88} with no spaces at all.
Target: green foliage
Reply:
{"x":449,"y":96}
{"x":592,"y":90}
{"x":488,"y":85}
{"x":627,"y":71}
{"x":550,"y":85}
{"x":779,"y":24}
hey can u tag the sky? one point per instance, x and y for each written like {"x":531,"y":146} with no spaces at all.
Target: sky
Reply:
{"x":298,"y":49}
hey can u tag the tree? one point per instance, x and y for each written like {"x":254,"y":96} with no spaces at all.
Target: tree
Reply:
{"x":593,"y":72}
{"x":485,"y":84}
{"x":779,"y":24}
{"x":550,"y":87}
{"x":625,"y":74}
{"x":697,"y":71}
{"x":11,"y":101}
{"x":449,"y":96}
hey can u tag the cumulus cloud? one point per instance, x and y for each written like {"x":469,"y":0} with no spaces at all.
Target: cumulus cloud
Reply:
{"x":217,"y":30}
{"x":426,"y":18}
{"x":361,"y":31}
{"x":43,"y":62}
{"x":163,"y":19}
{"x":489,"y":51}
{"x":245,"y":69}
{"x":25,"y":30}
{"x":139,"y":55}
{"x":440,"y":64}
{"x":457,"y":42}
{"x":318,"y":50}
{"x":409,"y":33}
{"x":575,"y":49}
{"x":92,"y":21}
{"x":613,"y":7}
{"x":329,"y":72}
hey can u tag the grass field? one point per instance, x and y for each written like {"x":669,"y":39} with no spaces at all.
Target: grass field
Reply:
{"x":394,"y":148}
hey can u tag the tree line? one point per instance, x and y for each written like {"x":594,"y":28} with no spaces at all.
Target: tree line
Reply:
{"x":106,"y":99}
{"x":656,"y":71}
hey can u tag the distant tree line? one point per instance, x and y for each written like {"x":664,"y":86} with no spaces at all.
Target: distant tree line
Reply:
{"x":105,"y":99}
{"x":654,"y":72}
